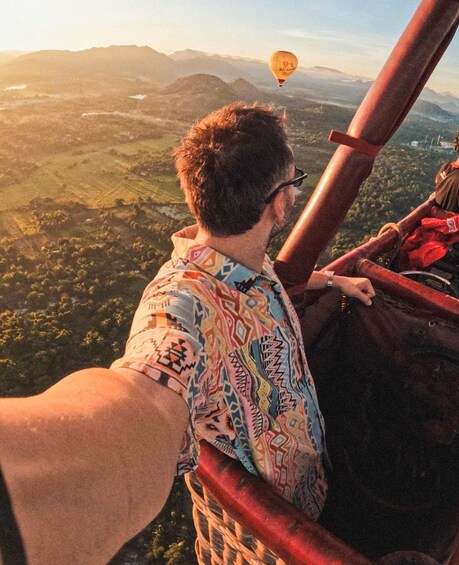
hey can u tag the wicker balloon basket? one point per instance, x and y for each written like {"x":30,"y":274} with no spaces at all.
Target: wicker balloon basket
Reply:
{"x":239,"y":521}
{"x":220,"y":539}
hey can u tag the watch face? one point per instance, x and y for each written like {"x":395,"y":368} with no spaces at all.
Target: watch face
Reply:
{"x":329,"y":283}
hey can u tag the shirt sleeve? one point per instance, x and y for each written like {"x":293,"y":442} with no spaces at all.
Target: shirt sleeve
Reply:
{"x":164,"y":345}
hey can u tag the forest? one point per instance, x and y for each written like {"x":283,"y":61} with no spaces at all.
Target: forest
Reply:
{"x":88,"y":206}
{"x":78,"y":291}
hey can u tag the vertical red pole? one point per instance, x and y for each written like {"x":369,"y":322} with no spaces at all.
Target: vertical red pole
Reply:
{"x":382,"y":111}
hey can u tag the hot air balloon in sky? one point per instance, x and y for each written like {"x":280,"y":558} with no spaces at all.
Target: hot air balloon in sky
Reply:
{"x":282,"y":65}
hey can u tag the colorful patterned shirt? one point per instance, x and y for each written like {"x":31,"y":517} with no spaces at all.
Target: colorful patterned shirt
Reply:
{"x":228,"y":340}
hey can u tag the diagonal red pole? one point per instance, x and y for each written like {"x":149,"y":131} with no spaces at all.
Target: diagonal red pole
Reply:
{"x":271,"y":519}
{"x":385,"y":106}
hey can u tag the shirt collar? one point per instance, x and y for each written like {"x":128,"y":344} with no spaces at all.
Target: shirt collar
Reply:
{"x":216,"y":264}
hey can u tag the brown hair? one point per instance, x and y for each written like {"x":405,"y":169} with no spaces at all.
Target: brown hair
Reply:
{"x":229,"y":162}
{"x":456,"y":142}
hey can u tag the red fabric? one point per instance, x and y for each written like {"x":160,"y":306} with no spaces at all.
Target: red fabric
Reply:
{"x":429,"y":242}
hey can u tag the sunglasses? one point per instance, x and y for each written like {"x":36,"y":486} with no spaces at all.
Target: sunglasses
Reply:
{"x":296,"y":182}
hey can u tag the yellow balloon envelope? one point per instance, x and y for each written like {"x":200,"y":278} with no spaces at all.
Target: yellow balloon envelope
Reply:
{"x":282,"y":65}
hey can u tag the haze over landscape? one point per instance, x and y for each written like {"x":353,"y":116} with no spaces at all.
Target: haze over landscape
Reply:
{"x":94,"y":96}
{"x":351,"y":36}
{"x":87,"y":138}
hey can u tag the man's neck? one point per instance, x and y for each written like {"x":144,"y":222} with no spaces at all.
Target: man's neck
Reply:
{"x":248,"y":249}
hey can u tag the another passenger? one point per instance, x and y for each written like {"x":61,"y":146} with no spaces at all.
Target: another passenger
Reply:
{"x":447,"y":183}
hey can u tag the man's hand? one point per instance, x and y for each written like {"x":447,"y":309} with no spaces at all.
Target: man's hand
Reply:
{"x":355,"y":287}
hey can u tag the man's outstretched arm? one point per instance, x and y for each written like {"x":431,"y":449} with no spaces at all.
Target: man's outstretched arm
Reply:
{"x":89,"y":462}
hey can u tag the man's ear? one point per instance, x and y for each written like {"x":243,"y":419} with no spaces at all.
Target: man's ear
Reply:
{"x":278,"y":207}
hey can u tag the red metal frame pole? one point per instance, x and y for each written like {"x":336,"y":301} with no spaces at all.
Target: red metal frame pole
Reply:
{"x":287,"y":531}
{"x":382,"y":111}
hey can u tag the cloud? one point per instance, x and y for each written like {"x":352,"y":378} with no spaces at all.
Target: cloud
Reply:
{"x":338,"y":37}
{"x":336,"y":48}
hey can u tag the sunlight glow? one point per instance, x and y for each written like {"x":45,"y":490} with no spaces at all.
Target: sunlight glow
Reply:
{"x":354,"y":37}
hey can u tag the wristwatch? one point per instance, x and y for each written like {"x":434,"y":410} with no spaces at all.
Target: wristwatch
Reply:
{"x":330,"y":275}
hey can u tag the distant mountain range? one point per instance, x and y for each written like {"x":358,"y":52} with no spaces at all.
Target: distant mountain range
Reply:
{"x":144,"y":63}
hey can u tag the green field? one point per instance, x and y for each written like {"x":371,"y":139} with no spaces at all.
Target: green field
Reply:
{"x":95,"y":176}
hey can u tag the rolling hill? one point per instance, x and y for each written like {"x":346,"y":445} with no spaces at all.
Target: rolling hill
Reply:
{"x":202,"y":93}
{"x":4,"y":58}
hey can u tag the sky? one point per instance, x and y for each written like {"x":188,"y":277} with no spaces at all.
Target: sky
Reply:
{"x":353,"y":36}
